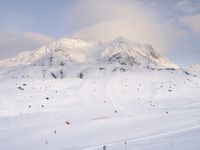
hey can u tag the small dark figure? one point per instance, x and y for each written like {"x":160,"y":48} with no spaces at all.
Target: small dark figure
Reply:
{"x":62,"y":74}
{"x":125,"y":145}
{"x":68,"y":123}
{"x":62,"y":63}
{"x":81,"y":75}
{"x":101,"y":68}
{"x":104,"y":147}
{"x":42,"y":105}
{"x":54,"y":131}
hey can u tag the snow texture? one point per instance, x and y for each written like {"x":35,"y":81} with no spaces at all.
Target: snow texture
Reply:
{"x":115,"y":94}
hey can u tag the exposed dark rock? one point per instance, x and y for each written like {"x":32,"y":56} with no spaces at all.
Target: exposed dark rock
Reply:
{"x":81,"y":75}
{"x":53,"y":75}
{"x":20,"y":88}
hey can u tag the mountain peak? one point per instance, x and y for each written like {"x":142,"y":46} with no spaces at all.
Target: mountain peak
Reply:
{"x":67,"y":50}
{"x":67,"y":43}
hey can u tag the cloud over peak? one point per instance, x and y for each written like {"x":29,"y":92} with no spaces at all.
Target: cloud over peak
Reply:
{"x":15,"y":42}
{"x":132,"y":19}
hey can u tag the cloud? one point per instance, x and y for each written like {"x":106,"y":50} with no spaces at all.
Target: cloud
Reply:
{"x":133,"y":19}
{"x":161,"y":38}
{"x":14,"y":43}
{"x":192,"y":22}
{"x":188,"y":7}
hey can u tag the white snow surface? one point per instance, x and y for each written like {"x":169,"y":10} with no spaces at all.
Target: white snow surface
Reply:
{"x":195,"y":67}
{"x":114,"y":94}
{"x":147,"y":109}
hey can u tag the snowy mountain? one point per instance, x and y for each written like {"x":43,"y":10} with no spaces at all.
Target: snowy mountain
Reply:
{"x":124,"y":52}
{"x":70,"y":57}
{"x":80,"y":51}
{"x":130,"y":97}
{"x":62,"y":49}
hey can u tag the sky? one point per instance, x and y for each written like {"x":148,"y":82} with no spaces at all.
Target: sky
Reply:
{"x":172,"y":27}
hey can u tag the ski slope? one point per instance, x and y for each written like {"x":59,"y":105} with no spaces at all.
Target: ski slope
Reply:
{"x":140,"y":109}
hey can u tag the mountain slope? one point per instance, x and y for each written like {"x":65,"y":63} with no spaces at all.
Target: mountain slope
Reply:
{"x":70,"y":57}
{"x":78,"y":50}
{"x":147,"y":109}
{"x":60,"y":49}
{"x":142,"y":55}
{"x":150,"y":105}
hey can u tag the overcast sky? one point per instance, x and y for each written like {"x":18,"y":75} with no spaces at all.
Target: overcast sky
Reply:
{"x":172,"y":27}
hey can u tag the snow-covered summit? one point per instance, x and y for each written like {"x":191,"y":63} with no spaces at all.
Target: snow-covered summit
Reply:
{"x":65,"y":50}
{"x":142,"y":55}
{"x":62,"y":49}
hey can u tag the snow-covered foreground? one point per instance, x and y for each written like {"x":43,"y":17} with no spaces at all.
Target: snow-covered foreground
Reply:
{"x":142,"y":109}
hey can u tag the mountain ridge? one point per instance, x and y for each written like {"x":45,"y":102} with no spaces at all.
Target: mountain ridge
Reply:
{"x":77,"y":58}
{"x":81,"y":51}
